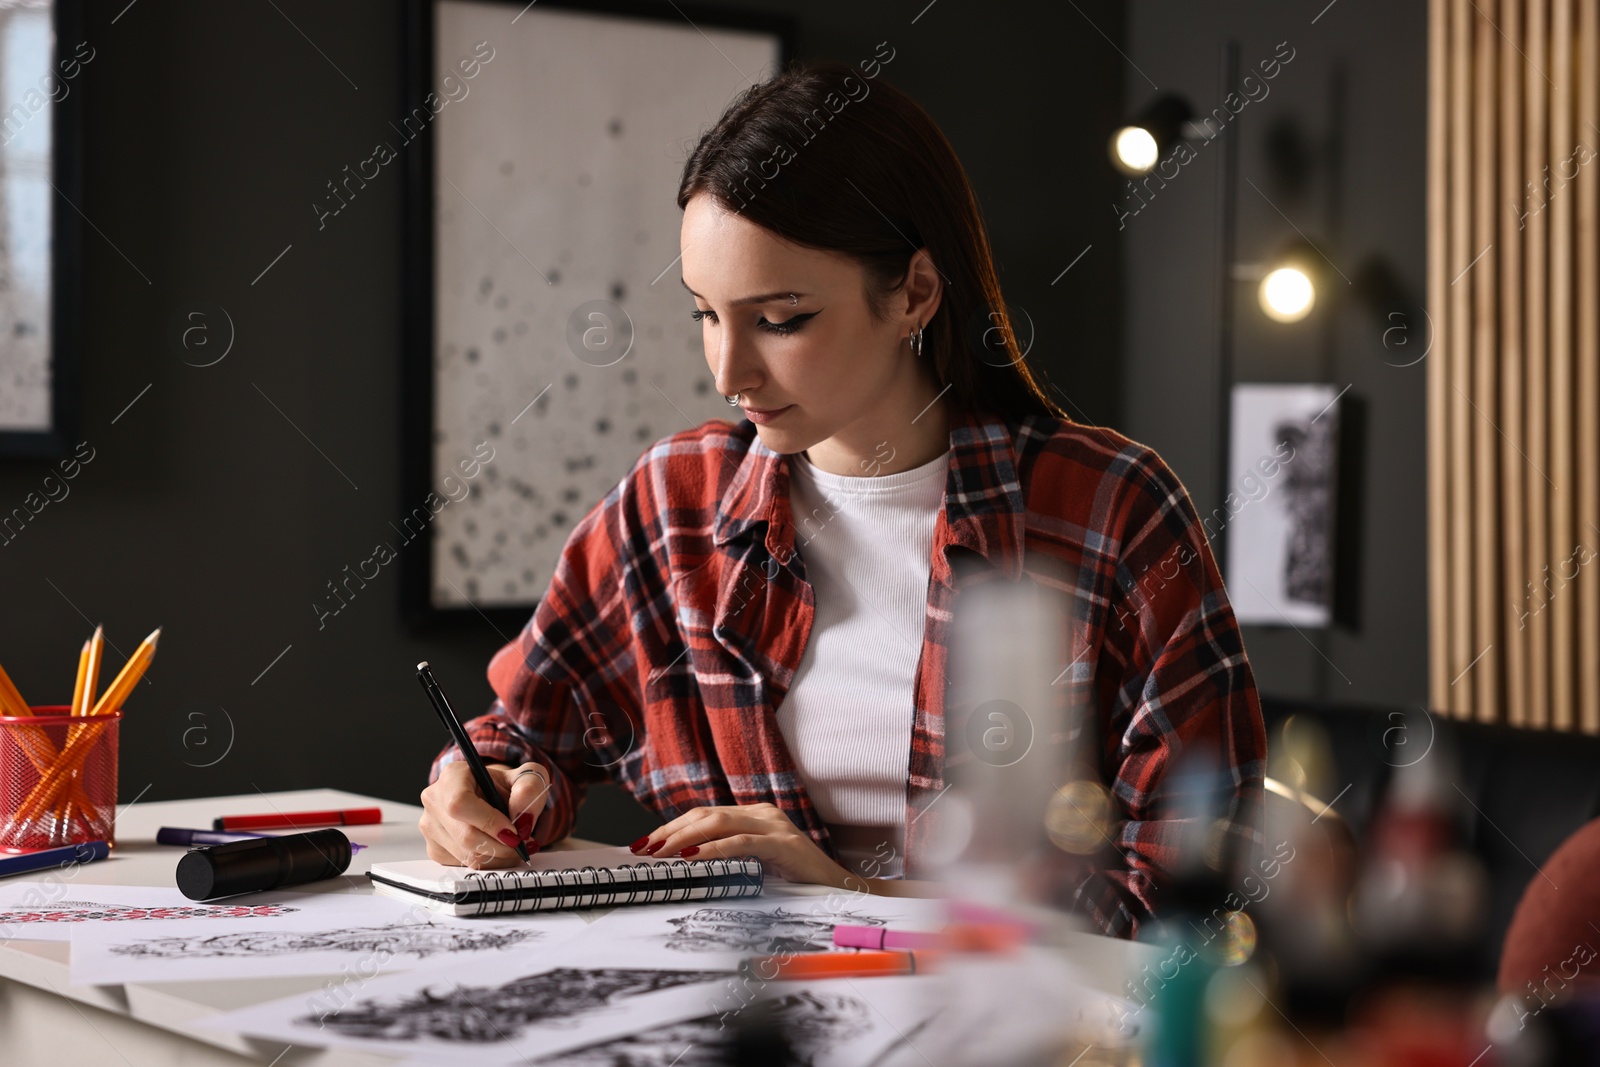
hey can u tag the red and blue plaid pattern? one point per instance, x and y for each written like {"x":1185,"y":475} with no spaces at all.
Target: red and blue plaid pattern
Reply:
{"x":678,"y":612}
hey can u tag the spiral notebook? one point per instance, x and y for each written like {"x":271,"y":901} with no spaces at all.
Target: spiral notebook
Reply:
{"x":580,"y":878}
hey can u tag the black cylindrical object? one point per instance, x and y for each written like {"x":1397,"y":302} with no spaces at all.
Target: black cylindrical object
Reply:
{"x":265,"y":863}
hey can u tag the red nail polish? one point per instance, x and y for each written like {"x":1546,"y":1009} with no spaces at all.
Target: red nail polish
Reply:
{"x":637,"y":845}
{"x":524,"y":824}
{"x":533,"y":847}
{"x":508,"y":838}
{"x":654,"y":848}
{"x":687,"y":852}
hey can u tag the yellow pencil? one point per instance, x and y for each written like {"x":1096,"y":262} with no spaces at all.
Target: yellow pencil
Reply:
{"x":10,"y":699}
{"x":133,"y":670}
{"x":40,"y":752}
{"x":82,"y":697}
{"x":83,"y":676}
{"x":91,"y":683}
{"x":50,"y":787}
{"x":88,"y":679}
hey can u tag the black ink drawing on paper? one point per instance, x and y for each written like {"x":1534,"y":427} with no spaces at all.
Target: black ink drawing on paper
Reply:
{"x":419,"y":940}
{"x":77,"y":911}
{"x":759,"y":930}
{"x":486,"y":1014}
{"x":812,"y":1023}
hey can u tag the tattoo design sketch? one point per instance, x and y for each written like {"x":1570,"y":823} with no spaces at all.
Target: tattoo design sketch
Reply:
{"x":77,"y":911}
{"x":811,"y":1022}
{"x":1308,"y":491}
{"x":420,"y":940}
{"x":759,"y":930}
{"x":487,"y":1014}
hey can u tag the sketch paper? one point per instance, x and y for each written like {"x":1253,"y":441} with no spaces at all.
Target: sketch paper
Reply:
{"x":834,"y":1023}
{"x":381,"y":936}
{"x":718,"y":934}
{"x":50,"y":910}
{"x":496,"y":1009}
{"x":632,"y":970}
{"x":1013,"y":1008}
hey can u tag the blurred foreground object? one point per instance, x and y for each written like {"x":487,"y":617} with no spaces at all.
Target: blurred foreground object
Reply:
{"x":1552,"y":941}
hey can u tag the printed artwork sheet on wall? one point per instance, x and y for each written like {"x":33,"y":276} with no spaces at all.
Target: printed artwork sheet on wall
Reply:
{"x":563,"y":341}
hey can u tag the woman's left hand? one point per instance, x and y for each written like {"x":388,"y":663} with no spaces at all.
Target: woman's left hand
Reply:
{"x":759,"y":830}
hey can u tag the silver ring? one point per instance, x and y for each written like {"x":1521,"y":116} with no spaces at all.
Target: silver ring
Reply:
{"x":530,"y":770}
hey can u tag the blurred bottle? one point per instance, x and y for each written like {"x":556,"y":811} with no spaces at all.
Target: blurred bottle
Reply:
{"x":1008,"y":746}
{"x":1006,"y":741}
{"x":1420,"y":904}
{"x":1201,"y":927}
{"x":1300,"y":892}
{"x":1418,"y":913}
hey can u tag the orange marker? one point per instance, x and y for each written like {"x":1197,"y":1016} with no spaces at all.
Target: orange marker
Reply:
{"x":985,"y":937}
{"x":864,"y":964}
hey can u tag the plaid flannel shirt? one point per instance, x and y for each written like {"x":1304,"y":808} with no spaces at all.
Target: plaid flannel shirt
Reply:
{"x":678,"y":612}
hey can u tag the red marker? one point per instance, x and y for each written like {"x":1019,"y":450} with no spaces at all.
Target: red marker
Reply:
{"x":293,"y":820}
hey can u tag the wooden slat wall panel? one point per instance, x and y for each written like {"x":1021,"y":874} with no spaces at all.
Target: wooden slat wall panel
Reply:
{"x":1537,"y":354}
{"x":1588,"y":354}
{"x":1513,"y":468}
{"x":1439,"y":674}
{"x":1514,"y":378}
{"x":1563,"y":675}
{"x":1486,"y":609}
{"x":1458,"y":357}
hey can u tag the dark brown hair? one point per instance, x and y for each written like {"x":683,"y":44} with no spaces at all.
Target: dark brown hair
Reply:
{"x":831,"y":158}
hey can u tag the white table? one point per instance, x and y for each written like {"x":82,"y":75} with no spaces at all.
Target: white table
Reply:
{"x":45,"y":1021}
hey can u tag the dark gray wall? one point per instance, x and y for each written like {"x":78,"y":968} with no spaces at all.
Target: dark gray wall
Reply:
{"x":210,"y":130}
{"x":1365,"y":198}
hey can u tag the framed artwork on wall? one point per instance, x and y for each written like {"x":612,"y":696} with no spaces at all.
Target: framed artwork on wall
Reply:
{"x":43,"y":54}
{"x":548,"y":341}
{"x":1279,"y":508}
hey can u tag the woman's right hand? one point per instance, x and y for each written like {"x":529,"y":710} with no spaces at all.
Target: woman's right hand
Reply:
{"x":464,"y":830}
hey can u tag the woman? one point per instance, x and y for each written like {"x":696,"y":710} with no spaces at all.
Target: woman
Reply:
{"x":774,"y":686}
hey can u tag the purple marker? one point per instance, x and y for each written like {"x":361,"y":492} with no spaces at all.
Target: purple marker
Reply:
{"x":174,"y":835}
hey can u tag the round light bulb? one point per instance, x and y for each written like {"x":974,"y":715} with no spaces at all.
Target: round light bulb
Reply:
{"x":1134,"y":149}
{"x":1287,"y":294}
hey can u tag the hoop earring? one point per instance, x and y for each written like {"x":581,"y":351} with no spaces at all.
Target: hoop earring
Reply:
{"x":916,"y":342}
{"x":733,"y":401}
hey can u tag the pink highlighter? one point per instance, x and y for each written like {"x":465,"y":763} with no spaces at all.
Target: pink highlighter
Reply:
{"x":876,"y":937}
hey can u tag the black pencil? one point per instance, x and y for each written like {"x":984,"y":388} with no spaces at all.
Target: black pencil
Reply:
{"x":486,"y":784}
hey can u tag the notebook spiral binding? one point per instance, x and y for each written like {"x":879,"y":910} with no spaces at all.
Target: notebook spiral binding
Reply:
{"x":606,"y":892}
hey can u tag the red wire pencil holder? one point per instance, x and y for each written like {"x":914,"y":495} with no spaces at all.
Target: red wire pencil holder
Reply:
{"x":58,"y":778}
